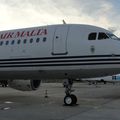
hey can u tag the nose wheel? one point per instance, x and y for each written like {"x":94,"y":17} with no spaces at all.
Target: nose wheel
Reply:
{"x":69,"y":99}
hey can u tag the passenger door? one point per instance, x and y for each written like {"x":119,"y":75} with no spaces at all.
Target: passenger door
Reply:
{"x":60,"y":40}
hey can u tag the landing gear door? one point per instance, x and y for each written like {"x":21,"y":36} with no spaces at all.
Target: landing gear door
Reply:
{"x":60,"y":40}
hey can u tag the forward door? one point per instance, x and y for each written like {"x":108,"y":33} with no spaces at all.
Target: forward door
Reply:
{"x":60,"y":40}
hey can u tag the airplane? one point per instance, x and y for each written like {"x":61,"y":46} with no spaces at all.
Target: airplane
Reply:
{"x":65,"y":51}
{"x":107,"y":79}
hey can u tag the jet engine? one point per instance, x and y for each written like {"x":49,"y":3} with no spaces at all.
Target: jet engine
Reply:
{"x":24,"y":85}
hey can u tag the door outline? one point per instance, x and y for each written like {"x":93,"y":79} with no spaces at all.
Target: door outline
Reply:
{"x":59,"y":44}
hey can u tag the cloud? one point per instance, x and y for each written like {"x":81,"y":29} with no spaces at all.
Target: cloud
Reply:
{"x":26,"y":13}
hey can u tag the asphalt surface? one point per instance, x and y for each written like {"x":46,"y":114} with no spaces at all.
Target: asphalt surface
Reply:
{"x":100,"y":102}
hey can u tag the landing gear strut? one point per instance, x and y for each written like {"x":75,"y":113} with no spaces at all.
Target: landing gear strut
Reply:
{"x":69,"y":99}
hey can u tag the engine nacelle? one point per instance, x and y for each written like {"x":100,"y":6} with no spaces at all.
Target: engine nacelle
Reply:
{"x":24,"y":85}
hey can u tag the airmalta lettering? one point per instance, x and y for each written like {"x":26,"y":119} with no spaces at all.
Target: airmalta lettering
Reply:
{"x":17,"y":34}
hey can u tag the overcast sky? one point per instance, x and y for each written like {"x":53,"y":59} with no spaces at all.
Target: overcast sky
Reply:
{"x":29,"y":13}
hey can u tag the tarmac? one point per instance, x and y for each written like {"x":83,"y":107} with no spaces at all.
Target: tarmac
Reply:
{"x":101,"y":102}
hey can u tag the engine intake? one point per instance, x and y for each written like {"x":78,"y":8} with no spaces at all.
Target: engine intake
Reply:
{"x":24,"y":85}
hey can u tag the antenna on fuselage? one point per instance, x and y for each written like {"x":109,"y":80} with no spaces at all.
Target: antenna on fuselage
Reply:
{"x":64,"y":22}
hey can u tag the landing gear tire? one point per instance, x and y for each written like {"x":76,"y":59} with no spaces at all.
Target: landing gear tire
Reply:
{"x":70,"y":100}
{"x":74,"y":99}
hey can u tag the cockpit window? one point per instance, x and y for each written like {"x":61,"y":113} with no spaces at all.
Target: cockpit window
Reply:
{"x":112,"y":36}
{"x":92,"y":36}
{"x":102,"y":36}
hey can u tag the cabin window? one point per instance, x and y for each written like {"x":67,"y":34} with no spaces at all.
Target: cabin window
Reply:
{"x":31,"y":40}
{"x":102,"y":36}
{"x":44,"y":39}
{"x":92,"y":36}
{"x":1,"y":43}
{"x":7,"y":42}
{"x":13,"y":41}
{"x":25,"y":41}
{"x":37,"y":40}
{"x":18,"y":42}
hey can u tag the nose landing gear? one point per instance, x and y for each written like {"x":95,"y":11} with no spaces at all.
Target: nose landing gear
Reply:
{"x":69,"y":99}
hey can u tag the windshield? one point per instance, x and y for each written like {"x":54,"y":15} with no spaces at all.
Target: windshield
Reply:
{"x":112,"y":36}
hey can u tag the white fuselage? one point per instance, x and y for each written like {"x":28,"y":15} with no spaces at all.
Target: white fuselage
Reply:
{"x":58,"y":51}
